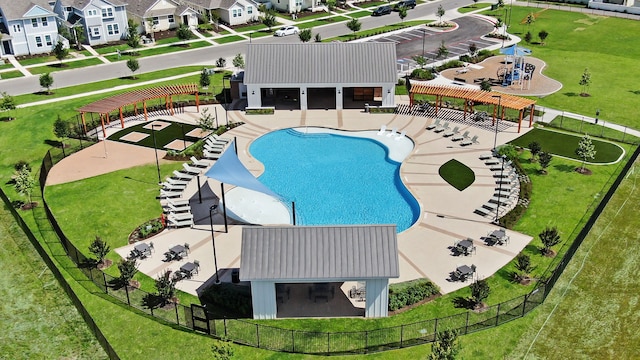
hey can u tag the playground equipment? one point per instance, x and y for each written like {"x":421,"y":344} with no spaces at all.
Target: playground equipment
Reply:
{"x":515,"y":71}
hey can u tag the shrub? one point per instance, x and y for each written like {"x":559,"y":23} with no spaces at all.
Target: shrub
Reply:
{"x":422,"y":74}
{"x":450,"y":65}
{"x":411,"y":292}
{"x":22,"y":164}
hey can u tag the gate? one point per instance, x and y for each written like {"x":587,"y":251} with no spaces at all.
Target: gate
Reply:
{"x":200,"y":319}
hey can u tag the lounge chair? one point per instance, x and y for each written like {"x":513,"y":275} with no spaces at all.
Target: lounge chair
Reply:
{"x":199,"y":163}
{"x":451,"y":132}
{"x":210,"y":155}
{"x":214,"y":143}
{"x":402,"y":134}
{"x":171,"y":187}
{"x":393,"y":132}
{"x":383,"y":129}
{"x":166,"y":194}
{"x":173,"y":181}
{"x":442,"y":128}
{"x":182,"y":175}
{"x":434,"y":125}
{"x":173,"y":222}
{"x":218,"y":138}
{"x":459,"y":137}
{"x":492,"y":161}
{"x":473,"y":140}
{"x":178,"y":209}
{"x":191,"y":170}
{"x":178,"y":202}
{"x":485,"y":156}
{"x":214,"y":147}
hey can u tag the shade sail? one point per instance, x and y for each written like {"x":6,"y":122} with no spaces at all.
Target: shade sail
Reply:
{"x":515,"y":50}
{"x":229,"y":170}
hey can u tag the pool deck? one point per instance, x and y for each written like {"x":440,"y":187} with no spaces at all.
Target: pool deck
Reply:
{"x":447,"y":215}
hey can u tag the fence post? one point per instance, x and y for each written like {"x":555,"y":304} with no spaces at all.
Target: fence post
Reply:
{"x":401,"y":335}
{"x":104,"y":278}
{"x":524,"y":305}
{"x":293,"y":341}
{"x":258,"y":334}
{"x":177,"y":316}
{"x":466,"y":325}
{"x":498,"y":314}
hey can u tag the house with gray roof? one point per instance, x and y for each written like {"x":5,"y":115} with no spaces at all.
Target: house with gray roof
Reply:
{"x":28,"y":27}
{"x":275,"y":258}
{"x":101,"y":21}
{"x":320,"y":75}
{"x":232,"y":12}
{"x":161,"y":15}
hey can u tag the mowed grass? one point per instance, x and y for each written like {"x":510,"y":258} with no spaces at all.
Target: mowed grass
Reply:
{"x":564,"y":144}
{"x":457,"y":174}
{"x":38,"y":319}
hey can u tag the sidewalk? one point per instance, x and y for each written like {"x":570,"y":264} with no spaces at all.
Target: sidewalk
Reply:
{"x":95,"y":53}
{"x":17,"y":65}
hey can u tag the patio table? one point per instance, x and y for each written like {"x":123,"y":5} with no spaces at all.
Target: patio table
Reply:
{"x":189,"y":269}
{"x":466,"y":246}
{"x":143,"y":249}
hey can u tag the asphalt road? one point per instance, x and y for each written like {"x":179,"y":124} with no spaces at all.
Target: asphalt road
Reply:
{"x":206,"y":56}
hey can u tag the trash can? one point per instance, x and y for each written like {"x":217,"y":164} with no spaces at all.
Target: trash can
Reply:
{"x":235,"y":276}
{"x":366,"y":108}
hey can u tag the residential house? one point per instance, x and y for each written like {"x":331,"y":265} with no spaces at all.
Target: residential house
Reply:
{"x":161,"y":15}
{"x":295,"y":6}
{"x":28,"y":27}
{"x":102,"y":21}
{"x":232,"y":12}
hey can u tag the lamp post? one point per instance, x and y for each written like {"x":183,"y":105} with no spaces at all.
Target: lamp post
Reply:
{"x":502,"y":158}
{"x":495,"y":138}
{"x":213,"y":240}
{"x":226,"y":105}
{"x":155,"y":149}
{"x":251,"y":33}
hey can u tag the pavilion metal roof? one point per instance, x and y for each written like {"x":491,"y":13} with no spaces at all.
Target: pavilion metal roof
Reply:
{"x":299,"y":253}
{"x":112,"y":103}
{"x":486,"y":97}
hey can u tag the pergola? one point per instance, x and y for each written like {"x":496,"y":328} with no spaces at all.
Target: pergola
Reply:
{"x":107,"y":105}
{"x":472,"y":96}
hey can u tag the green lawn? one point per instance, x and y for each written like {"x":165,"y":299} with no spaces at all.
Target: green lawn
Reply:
{"x":457,"y":174}
{"x":595,"y":130}
{"x":11,"y":74}
{"x":112,"y":49}
{"x":565,"y":144}
{"x":145,"y":52}
{"x":67,"y":66}
{"x":228,"y":39}
{"x":6,"y":65}
{"x":473,"y":7}
{"x":360,"y":14}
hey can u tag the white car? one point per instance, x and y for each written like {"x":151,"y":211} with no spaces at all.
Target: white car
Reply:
{"x":287,"y":30}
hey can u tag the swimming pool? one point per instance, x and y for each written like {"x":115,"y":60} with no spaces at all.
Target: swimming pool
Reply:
{"x":335,"y":179}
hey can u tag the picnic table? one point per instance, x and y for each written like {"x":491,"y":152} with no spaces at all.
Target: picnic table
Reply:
{"x":499,"y":236}
{"x":141,"y":250}
{"x":176,"y":253}
{"x":463,"y":272}
{"x":465,"y":246}
{"x":189,"y":269}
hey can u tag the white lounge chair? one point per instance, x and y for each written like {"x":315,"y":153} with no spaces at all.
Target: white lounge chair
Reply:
{"x":182,"y":175}
{"x":459,"y":137}
{"x":492,"y":161}
{"x":199,"y":163}
{"x":173,"y":222}
{"x":393,"y":132}
{"x":484,"y":156}
{"x":178,"y":202}
{"x":210,"y":155}
{"x":442,"y":128}
{"x":178,"y":209}
{"x":383,"y":129}
{"x":191,"y":170}
{"x":213,"y":147}
{"x":433,"y":125}
{"x":173,"y":181}
{"x":402,"y":134}
{"x":166,"y":194}
{"x":214,"y":143}
{"x":171,"y":187}
{"x":451,"y":132}
{"x":218,"y":138}
{"x":473,"y":140}
{"x":181,"y":216}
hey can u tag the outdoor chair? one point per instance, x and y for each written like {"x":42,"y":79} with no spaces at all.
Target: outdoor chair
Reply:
{"x":451,"y":132}
{"x":434,"y":125}
{"x":151,"y":246}
{"x":485,"y":156}
{"x":199,"y":163}
{"x":182,"y":175}
{"x":166,"y":194}
{"x":442,"y":128}
{"x":402,"y":134}
{"x":473,"y":140}
{"x":213,"y":148}
{"x":459,"y":137}
{"x":383,"y":129}
{"x":172,"y":187}
{"x":186,"y":246}
{"x":197,"y":264}
{"x":191,"y":169}
{"x":210,"y":155}
{"x":173,"y":181}
{"x":218,"y":138}
{"x":214,"y":144}
{"x":393,"y":132}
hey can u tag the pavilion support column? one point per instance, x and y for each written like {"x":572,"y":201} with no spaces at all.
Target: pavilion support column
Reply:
{"x":135,"y":109}
{"x":197,"y":103}
{"x":437,"y":104}
{"x":166,"y":102}
{"x":410,"y":99}
{"x":121,"y":117}
{"x":464,"y":112}
{"x":84,"y":122}
{"x":144,"y":107}
{"x":104,"y":131}
{"x":108,"y":118}
{"x":171,"y":105}
{"x":520,"y":119}
{"x":533,"y":108}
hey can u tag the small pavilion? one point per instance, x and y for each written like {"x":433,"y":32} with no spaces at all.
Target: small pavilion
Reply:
{"x":117,"y":102}
{"x":472,"y":96}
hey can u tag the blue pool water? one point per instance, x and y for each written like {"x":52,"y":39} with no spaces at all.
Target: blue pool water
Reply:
{"x":335,"y":179}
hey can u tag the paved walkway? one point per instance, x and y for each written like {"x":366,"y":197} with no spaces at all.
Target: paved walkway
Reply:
{"x":95,"y":53}
{"x":17,"y":65}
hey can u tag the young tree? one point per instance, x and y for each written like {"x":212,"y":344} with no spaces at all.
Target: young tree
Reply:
{"x":205,"y":79}
{"x":78,"y":34}
{"x":475,"y":2}
{"x":128,"y":269}
{"x":268,"y":19}
{"x":485,"y":85}
{"x":305,"y":35}
{"x":331,"y":5}
{"x":420,"y":60}
{"x":99,"y":249}
{"x":60,"y":51}
{"x":446,"y":346}
{"x":442,"y":50}
{"x":133,"y":38}
{"x":585,"y":151}
{"x":221,"y":62}
{"x":585,"y":81}
{"x":354,"y":25}
{"x":530,"y":19}
{"x":498,"y":24}
{"x":206,"y":120}
{"x":535,"y":149}
{"x":549,"y":238}
{"x":440,"y":12}
{"x":46,"y":81}
{"x":544,"y":158}
{"x":473,"y":50}
{"x":7,"y":103}
{"x":318,"y":38}
{"x":184,"y":33}
{"x":61,"y":130}
{"x":528,"y":37}
{"x":214,"y":18}
{"x":543,"y":36}
{"x":133,"y":65}
{"x":166,"y":287}
{"x":523,"y":264}
{"x":222,"y":350}
{"x":479,"y":291}
{"x":238,"y":61}
{"x":24,"y":183}
{"x":402,"y":13}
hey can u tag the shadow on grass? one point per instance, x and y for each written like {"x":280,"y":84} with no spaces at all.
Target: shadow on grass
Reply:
{"x":636,"y":92}
{"x":564,"y":168}
{"x":462,"y":303}
{"x":571,"y":94}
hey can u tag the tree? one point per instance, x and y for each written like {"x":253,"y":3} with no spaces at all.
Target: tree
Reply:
{"x":485,"y":85}
{"x":133,"y":38}
{"x":544,"y":158}
{"x":440,"y":12}
{"x":498,"y":25}
{"x":402,"y":13}
{"x":46,"y":81}
{"x":318,"y":38}
{"x":221,"y":62}
{"x":549,"y":237}
{"x":99,"y":249}
{"x":269,"y":19}
{"x":133,"y":65}
{"x":446,"y":346}
{"x":24,"y":183}
{"x":128,"y":269}
{"x":238,"y":61}
{"x":420,"y":60}
{"x":60,"y":51}
{"x":543,"y":36}
{"x":473,"y":50}
{"x":585,"y":81}
{"x":530,"y":19}
{"x":354,"y":25}
{"x":184,"y":33}
{"x":222,"y":350}
{"x":442,"y":50}
{"x":61,"y":130}
{"x":528,"y":37}
{"x":206,"y":120}
{"x":523,"y":263}
{"x":166,"y":287}
{"x":78,"y":34}
{"x":215,"y":19}
{"x":585,"y":151}
{"x":7,"y":103}
{"x":305,"y":35}
{"x":331,"y":5}
{"x":205,"y":79}
{"x":479,"y":291}
{"x":535,"y":149}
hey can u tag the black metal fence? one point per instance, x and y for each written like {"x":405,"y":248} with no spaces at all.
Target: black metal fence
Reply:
{"x":299,"y":341}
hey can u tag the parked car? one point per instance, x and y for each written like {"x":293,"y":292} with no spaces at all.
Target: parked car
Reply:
{"x":382,"y":10}
{"x":287,"y":30}
{"x":409,"y":4}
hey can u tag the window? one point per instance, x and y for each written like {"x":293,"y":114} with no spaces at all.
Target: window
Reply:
{"x":107,"y":13}
{"x":239,"y":12}
{"x":171,"y":19}
{"x":95,"y":31}
{"x":235,"y":13}
{"x":44,"y":21}
{"x":249,"y":10}
{"x":17,"y":28}
{"x":155,"y":20}
{"x":38,"y":41}
{"x":92,"y":12}
{"x":69,"y":9}
{"x":112,"y":29}
{"x":47,"y":39}
{"x":34,"y":22}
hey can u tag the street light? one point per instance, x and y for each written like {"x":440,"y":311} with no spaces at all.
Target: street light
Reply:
{"x":495,"y":139}
{"x":226,"y":105}
{"x":155,"y":149}
{"x":213,"y":240}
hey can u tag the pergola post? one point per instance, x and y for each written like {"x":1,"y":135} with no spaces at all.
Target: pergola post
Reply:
{"x":121,"y":117}
{"x":410,"y":99}
{"x":437,"y":104}
{"x":197,"y":103}
{"x":520,"y":119}
{"x":464,"y":112}
{"x":135,"y":108}
{"x":533,"y":108}
{"x":104,"y":131}
{"x":84,"y":122}
{"x":171,"y":105}
{"x":106,"y":116}
{"x":144,"y":107}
